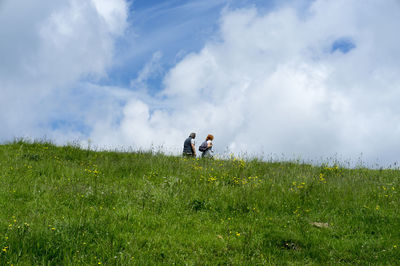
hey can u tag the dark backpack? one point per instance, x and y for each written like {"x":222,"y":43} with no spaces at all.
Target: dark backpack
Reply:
{"x":203,"y":146}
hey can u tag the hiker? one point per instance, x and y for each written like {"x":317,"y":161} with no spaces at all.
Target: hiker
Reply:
{"x":206,"y":147}
{"x":189,"y":149}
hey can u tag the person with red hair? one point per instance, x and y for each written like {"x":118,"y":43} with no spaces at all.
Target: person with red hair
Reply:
{"x":206,"y":147}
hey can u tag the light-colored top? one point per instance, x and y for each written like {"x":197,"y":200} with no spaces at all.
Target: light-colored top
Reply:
{"x":209,"y":152}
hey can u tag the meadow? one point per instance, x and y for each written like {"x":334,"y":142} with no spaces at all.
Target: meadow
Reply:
{"x":67,"y":205}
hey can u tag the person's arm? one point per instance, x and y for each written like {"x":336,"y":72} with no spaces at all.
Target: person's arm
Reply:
{"x":193,"y":148}
{"x":209,"y":144}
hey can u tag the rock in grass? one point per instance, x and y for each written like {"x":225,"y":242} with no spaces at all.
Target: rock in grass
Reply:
{"x":320,"y":225}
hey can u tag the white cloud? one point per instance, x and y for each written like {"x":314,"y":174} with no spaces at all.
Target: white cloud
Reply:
{"x":114,"y":14}
{"x":46,"y":48}
{"x":271,"y":85}
{"x":152,"y":69}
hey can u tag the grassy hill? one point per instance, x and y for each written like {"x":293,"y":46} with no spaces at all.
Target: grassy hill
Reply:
{"x":65,"y":205}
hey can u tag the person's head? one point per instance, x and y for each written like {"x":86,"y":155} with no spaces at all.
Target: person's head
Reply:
{"x":192,"y":135}
{"x":210,"y":137}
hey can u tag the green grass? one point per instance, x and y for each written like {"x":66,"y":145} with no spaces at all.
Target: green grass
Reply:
{"x":65,"y":205}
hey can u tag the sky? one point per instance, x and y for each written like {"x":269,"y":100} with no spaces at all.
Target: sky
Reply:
{"x":317,"y":81}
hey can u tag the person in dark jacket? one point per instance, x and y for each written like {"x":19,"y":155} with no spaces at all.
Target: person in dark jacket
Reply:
{"x":189,"y":148}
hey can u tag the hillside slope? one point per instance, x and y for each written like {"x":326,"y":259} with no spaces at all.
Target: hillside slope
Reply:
{"x":65,"y":205}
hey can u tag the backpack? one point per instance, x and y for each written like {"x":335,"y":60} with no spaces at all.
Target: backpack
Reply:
{"x":203,"y":146}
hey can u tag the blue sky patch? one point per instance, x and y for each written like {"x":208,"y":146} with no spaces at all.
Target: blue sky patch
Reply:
{"x":173,"y":28}
{"x":343,"y":45}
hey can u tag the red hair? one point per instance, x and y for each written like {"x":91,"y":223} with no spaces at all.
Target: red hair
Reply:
{"x":210,"y":137}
